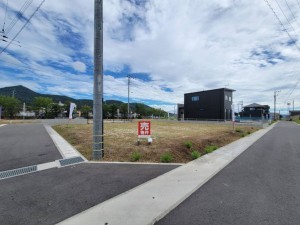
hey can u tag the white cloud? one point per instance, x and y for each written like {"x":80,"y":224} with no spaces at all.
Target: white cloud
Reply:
{"x":79,"y":66}
{"x":184,"y":45}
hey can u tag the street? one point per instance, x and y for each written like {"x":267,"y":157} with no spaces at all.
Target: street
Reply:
{"x":261,"y":186}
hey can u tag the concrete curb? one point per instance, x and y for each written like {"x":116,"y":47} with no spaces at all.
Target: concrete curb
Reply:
{"x":66,"y":150}
{"x":2,"y":125}
{"x":151,"y":201}
{"x":138,"y":163}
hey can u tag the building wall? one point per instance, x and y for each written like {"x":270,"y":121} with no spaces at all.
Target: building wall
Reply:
{"x":208,"y":105}
{"x":256,"y":112}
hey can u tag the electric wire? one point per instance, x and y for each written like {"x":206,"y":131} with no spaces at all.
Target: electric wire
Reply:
{"x":23,"y":26}
{"x":18,"y":15}
{"x":292,"y":13}
{"x":288,"y":33}
{"x":5,"y":16}
{"x":285,"y":17}
{"x":298,"y":3}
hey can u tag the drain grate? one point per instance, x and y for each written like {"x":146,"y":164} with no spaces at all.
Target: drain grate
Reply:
{"x":17,"y":172}
{"x":70,"y":161}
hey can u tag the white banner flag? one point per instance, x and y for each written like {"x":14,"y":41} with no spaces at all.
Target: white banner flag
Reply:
{"x":72,"y":107}
{"x":232,"y":111}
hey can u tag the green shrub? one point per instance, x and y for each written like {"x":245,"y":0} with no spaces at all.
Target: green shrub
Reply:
{"x":238,"y":130}
{"x":243,"y":135}
{"x":195,"y":154}
{"x":210,"y":148}
{"x":166,"y":157}
{"x":188,"y":144}
{"x":249,"y":132}
{"x":135,"y":156}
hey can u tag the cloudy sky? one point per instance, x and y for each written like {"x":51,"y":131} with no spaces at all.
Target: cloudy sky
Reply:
{"x":169,"y":47}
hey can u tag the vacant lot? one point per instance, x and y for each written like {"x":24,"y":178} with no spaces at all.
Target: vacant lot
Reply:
{"x":120,"y":139}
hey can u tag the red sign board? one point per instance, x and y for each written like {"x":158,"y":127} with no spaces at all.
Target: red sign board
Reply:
{"x":144,"y":129}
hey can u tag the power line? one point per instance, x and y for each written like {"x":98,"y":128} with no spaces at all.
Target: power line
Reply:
{"x":23,"y":26}
{"x":285,"y":16}
{"x":292,"y":12}
{"x":5,"y":16}
{"x":18,"y":15}
{"x":298,"y":3}
{"x":281,"y":23}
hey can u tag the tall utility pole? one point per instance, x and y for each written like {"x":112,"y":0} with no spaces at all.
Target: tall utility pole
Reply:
{"x":275,"y":95}
{"x":128,"y":105}
{"x":98,"y":151}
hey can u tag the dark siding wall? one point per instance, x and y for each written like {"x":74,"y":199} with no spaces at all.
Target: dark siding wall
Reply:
{"x":227,"y":105}
{"x":209,"y":106}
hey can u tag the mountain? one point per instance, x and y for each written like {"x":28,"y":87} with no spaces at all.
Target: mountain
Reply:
{"x":26,"y":95}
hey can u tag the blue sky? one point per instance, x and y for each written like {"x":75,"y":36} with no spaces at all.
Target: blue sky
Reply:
{"x":169,"y":47}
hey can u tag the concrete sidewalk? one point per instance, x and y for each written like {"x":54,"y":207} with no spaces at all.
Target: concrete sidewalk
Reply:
{"x":152,"y":200}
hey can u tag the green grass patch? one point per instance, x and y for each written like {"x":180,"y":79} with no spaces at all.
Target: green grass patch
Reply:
{"x":188,"y":144}
{"x":195,"y":154}
{"x":210,"y":148}
{"x":166,"y":157}
{"x":135,"y":156}
{"x":238,"y":130}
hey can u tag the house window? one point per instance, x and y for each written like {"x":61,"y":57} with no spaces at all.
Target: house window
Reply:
{"x":230,"y":99}
{"x":226,"y":97}
{"x":195,"y":98}
{"x":252,"y":109}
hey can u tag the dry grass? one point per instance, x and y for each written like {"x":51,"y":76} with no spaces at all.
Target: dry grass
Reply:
{"x":19,"y":121}
{"x":120,"y":139}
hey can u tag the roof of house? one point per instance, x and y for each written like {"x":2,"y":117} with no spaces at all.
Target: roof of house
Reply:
{"x":254,"y":105}
{"x":225,"y":89}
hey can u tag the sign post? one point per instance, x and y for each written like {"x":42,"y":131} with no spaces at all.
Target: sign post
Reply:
{"x":144,"y":131}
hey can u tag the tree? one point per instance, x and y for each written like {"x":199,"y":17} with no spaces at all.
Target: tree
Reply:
{"x":85,"y":110}
{"x":140,"y":109}
{"x":124,"y":109}
{"x":113,"y":110}
{"x":11,"y":106}
{"x":106,"y":110}
{"x":54,"y":110}
{"x":43,"y":105}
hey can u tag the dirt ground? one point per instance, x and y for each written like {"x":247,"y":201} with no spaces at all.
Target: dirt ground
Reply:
{"x":120,"y":139}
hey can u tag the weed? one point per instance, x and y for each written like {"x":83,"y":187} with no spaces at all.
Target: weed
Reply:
{"x":243,"y":135}
{"x":188,"y":144}
{"x":135,"y":156}
{"x":238,"y":130}
{"x":210,"y":148}
{"x":195,"y":154}
{"x":249,"y":132}
{"x":166,"y":157}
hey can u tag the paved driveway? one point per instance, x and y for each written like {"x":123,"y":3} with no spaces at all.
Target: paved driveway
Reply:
{"x":25,"y":145}
{"x":50,"y":196}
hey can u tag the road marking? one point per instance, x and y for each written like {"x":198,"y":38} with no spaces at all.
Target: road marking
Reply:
{"x":154,"y":199}
{"x":2,"y":125}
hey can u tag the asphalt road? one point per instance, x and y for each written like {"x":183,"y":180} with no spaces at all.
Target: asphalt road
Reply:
{"x":50,"y":196}
{"x":25,"y":145}
{"x":261,"y":186}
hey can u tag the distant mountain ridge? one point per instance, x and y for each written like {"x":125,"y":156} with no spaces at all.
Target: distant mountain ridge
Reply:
{"x":26,"y":95}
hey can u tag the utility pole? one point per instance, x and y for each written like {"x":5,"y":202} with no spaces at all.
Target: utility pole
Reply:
{"x":293,"y":104}
{"x":275,"y":95}
{"x":98,"y":151}
{"x":24,"y":110}
{"x":128,"y":105}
